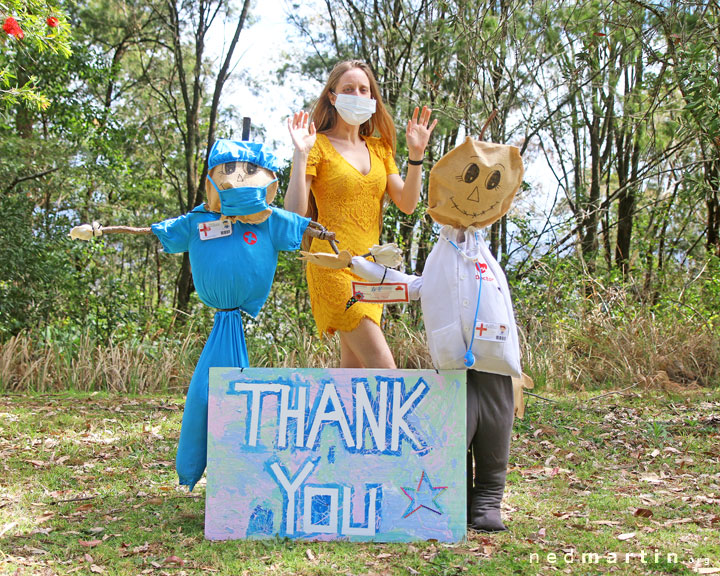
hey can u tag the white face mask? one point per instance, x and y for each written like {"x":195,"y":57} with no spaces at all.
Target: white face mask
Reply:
{"x":355,"y":110}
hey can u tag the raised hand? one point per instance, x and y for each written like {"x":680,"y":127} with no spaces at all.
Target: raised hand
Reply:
{"x":418,"y":132}
{"x":302,"y":134}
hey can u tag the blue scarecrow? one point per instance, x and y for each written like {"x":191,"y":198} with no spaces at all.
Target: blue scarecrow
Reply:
{"x":233,"y":242}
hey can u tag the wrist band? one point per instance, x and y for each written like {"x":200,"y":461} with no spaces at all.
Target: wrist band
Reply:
{"x":415,"y":162}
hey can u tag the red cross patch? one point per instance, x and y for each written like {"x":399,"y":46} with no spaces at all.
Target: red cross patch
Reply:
{"x":250,"y":237}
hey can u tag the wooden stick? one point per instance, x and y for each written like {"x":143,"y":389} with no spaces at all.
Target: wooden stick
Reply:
{"x":614,"y":392}
{"x":487,"y":123}
{"x":124,"y":230}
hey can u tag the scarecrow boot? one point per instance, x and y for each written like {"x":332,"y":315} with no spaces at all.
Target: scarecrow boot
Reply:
{"x":491,"y":408}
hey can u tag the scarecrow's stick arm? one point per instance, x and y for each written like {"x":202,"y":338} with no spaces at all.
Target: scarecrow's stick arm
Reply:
{"x":89,"y":231}
{"x":317,"y":230}
{"x":125,"y":230}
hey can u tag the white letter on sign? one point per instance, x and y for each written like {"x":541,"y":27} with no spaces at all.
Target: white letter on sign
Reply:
{"x":290,"y":489}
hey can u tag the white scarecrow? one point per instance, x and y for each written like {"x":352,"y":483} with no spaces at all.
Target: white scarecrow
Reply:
{"x":466,"y":306}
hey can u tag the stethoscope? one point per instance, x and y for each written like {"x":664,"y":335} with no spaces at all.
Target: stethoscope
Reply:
{"x":469,"y":357}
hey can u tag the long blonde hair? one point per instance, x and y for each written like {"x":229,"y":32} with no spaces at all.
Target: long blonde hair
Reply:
{"x":324,"y":115}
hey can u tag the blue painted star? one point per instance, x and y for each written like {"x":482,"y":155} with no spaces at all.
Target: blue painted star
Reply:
{"x":424,"y":496}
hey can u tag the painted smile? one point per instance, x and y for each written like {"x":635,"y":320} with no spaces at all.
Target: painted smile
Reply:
{"x":472,"y":214}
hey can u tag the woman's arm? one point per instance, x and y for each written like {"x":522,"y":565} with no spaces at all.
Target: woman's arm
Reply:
{"x":406,"y":194}
{"x":303,"y":136}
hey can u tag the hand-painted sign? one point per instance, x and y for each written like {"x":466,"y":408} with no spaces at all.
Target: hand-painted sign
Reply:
{"x":336,"y":454}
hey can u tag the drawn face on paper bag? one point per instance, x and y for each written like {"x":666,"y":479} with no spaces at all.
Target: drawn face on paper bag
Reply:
{"x":474,"y":184}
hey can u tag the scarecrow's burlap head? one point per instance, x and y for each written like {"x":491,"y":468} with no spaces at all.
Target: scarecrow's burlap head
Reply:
{"x":241,"y":165}
{"x":474,"y":184}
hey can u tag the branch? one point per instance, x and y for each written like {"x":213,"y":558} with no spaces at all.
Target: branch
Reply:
{"x":31,"y":177}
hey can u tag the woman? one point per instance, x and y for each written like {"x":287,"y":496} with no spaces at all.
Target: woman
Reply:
{"x":342,"y":171}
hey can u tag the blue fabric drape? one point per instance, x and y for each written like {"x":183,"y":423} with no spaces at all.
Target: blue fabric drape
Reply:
{"x":234,"y":272}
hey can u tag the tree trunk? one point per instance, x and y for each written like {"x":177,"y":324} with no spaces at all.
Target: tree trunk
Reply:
{"x":192,"y":82}
{"x":712,"y":178}
{"x":589,"y":241}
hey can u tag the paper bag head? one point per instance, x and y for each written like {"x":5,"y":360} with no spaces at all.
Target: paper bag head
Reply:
{"x":474,"y":184}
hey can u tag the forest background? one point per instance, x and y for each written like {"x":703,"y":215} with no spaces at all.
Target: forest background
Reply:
{"x":613,"y":254}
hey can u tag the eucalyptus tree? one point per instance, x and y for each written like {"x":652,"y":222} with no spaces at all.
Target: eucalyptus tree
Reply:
{"x":165,"y":78}
{"x":463,"y":58}
{"x":692,"y":41}
{"x":188,"y":88}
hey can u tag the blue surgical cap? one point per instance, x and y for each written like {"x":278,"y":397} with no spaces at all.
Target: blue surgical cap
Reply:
{"x":224,"y":151}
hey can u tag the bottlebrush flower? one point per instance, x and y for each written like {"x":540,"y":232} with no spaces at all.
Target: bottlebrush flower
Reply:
{"x":12,"y":28}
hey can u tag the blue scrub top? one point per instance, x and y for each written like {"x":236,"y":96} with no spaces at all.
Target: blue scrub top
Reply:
{"x":234,"y":271}
{"x":229,"y":272}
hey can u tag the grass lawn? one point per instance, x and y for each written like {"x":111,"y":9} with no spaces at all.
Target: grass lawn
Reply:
{"x":625,"y":483}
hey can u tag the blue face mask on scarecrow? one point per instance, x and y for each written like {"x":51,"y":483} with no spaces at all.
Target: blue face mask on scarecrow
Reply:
{"x":241,"y":183}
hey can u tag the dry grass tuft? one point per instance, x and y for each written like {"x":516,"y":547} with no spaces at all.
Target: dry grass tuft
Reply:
{"x":409,"y":347}
{"x":614,"y":347}
{"x":604,"y":342}
{"x":303,"y":350}
{"x":132,"y":368}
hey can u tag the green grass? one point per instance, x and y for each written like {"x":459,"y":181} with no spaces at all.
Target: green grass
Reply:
{"x":88,"y":487}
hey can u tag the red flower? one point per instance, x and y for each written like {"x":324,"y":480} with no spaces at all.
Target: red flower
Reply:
{"x":52,"y":21}
{"x":12,"y":28}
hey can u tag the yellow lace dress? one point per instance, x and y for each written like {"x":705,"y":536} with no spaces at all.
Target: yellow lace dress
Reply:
{"x":350,"y":204}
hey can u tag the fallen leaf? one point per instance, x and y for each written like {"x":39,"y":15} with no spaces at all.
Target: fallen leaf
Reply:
{"x":643,"y":513}
{"x":9,"y":526}
{"x":310,"y":555}
{"x":678,"y":521}
{"x":174,"y":560}
{"x":707,"y":570}
{"x":626,"y":536}
{"x":651,"y":478}
{"x":97,"y":569}
{"x":89,"y":543}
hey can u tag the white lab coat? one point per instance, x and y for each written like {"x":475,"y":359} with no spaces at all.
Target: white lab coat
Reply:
{"x":448,"y":291}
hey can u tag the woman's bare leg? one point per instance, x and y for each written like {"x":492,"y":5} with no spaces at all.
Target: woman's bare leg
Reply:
{"x":365,"y":347}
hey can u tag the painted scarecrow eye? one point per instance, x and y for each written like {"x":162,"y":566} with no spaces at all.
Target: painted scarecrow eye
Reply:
{"x":493,"y":180}
{"x":228,"y":168}
{"x":471,"y":172}
{"x":250,"y":168}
